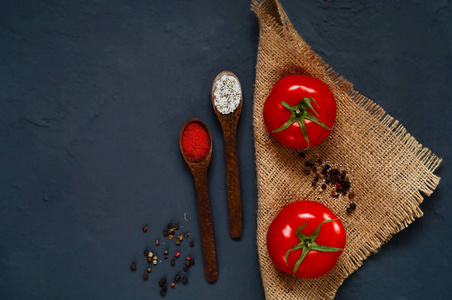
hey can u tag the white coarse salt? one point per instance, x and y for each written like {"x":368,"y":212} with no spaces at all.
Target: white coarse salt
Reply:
{"x":228,"y":94}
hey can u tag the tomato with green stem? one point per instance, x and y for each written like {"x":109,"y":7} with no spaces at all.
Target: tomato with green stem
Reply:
{"x":300,"y":111}
{"x":305,"y":239}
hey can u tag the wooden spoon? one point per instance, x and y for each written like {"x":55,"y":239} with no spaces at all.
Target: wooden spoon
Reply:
{"x":199,"y":171}
{"x":229,"y":125}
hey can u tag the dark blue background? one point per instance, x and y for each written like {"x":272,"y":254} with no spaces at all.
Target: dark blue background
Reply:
{"x":93,"y":95}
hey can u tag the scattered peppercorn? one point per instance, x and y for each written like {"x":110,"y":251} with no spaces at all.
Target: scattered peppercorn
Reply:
{"x":165,"y":288}
{"x":157,"y":242}
{"x":177,"y":254}
{"x":176,"y":226}
{"x":145,"y":276}
{"x":349,"y":210}
{"x":302,"y":155}
{"x":192,"y":244}
{"x":192,"y":261}
{"x":171,"y":231}
{"x":155,"y":262}
{"x":177,"y":242}
{"x":180,"y":237}
{"x":149,"y":259}
{"x":177,"y":278}
{"x":187,"y":235}
{"x":165,"y":232}
{"x":172,"y":284}
{"x":133,"y":267}
{"x":188,"y":258}
{"x":162,"y":281}
{"x":185,"y":268}
{"x":323,"y":186}
{"x":308,"y":164}
{"x":162,"y":292}
{"x":150,"y":254}
{"x":170,"y":236}
{"x":165,"y":252}
{"x":351,"y":195}
{"x":146,"y":252}
{"x":306,"y":172}
{"x":352,"y":205}
{"x":173,"y":262}
{"x":314,"y":183}
{"x":316,"y":178}
{"x":165,"y":256}
{"x":149,"y":270}
{"x":170,"y":225}
{"x":145,"y":229}
{"x":185,"y":280}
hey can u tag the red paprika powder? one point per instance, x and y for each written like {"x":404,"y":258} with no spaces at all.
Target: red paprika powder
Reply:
{"x":195,"y":142}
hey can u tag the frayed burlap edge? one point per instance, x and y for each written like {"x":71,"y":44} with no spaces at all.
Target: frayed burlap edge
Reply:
{"x":389,"y":169}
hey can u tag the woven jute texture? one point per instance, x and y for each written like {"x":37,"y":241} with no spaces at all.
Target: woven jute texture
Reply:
{"x":388,"y":168}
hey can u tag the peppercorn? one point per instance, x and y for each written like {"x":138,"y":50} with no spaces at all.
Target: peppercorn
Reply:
{"x":351,"y":195}
{"x":352,"y":205}
{"x":185,"y":268}
{"x":306,"y":172}
{"x":172,"y":284}
{"x":176,"y":226}
{"x":149,"y":270}
{"x":165,"y":232}
{"x":187,"y":263}
{"x":157,"y":242}
{"x":177,"y":254}
{"x":145,"y":276}
{"x":162,"y":281}
{"x":133,"y":267}
{"x":146,"y":252}
{"x":327,"y":166}
{"x":170,"y":236}
{"x":349,"y":210}
{"x":155,"y":262}
{"x":180,"y":237}
{"x":170,"y":225}
{"x":165,"y":288}
{"x":165,"y":252}
{"x":319,"y":161}
{"x":162,"y":292}
{"x":155,"y":257}
{"x":165,"y":256}
{"x":192,"y":244}
{"x":149,"y":259}
{"x":177,"y":242}
{"x":192,"y":262}
{"x":185,"y":280}
{"x":177,"y":278}
{"x":173,"y":262}
{"x":187,"y":235}
{"x":314,"y":184}
{"x":145,"y":229}
{"x":316,"y":178}
{"x":309,"y":164}
{"x":302,"y":155}
{"x":188,"y":258}
{"x":171,"y":231}
{"x":150,"y":254}
{"x":323,"y":186}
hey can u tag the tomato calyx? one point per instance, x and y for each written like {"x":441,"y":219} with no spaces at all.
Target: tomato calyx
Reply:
{"x":307,"y":243}
{"x":299,"y":114}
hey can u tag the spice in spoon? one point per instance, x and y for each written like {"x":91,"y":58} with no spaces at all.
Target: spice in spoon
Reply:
{"x":227,"y":94}
{"x":195,"y":142}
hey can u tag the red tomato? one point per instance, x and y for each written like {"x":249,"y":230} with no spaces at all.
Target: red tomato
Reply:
{"x":300,"y":111}
{"x":309,"y":229}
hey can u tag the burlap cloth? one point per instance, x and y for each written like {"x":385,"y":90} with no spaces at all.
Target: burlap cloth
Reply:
{"x":388,"y":168}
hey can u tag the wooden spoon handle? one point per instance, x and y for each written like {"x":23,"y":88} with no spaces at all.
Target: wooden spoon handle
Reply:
{"x":205,"y":224}
{"x":233,"y":184}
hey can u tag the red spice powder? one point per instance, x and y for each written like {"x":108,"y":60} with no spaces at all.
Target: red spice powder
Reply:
{"x":195,"y":142}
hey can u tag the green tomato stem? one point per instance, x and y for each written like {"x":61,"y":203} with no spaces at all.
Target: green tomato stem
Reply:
{"x":307,"y":243}
{"x":299,"y":113}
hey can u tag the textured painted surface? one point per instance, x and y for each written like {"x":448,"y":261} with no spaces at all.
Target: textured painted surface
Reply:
{"x":93,"y":95}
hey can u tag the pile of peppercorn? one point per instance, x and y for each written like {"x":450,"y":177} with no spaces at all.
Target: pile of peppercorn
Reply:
{"x":152,"y":258}
{"x":326,"y":175}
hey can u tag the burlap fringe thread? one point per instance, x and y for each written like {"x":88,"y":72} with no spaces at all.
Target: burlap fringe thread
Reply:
{"x":388,"y":168}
